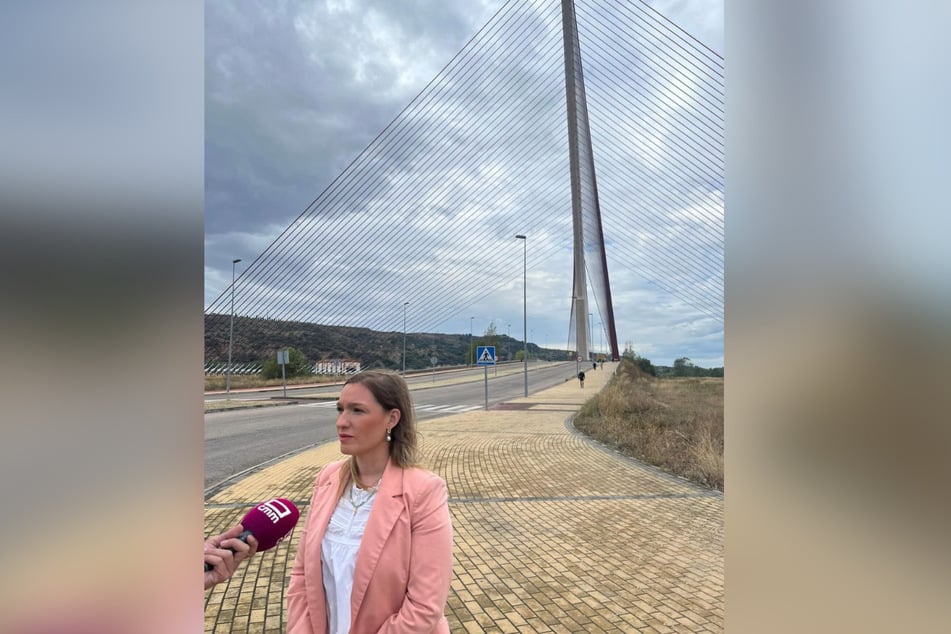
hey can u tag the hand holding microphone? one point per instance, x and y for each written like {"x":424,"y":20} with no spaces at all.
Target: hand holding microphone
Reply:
{"x":262,"y":528}
{"x":224,"y":552}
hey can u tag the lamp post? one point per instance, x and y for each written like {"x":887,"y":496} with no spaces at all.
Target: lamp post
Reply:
{"x":576,"y":299}
{"x":600,"y":338}
{"x":469,"y":351}
{"x":590,"y":322}
{"x":405,"y":304}
{"x":231,"y":333}
{"x":525,"y":306}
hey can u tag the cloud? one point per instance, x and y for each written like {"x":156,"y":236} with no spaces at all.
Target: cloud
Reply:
{"x":295,"y":93}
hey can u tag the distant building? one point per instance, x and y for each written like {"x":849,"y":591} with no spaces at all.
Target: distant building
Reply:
{"x":337,"y":366}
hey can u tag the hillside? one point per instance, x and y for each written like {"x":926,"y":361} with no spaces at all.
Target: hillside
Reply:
{"x":257,"y":339}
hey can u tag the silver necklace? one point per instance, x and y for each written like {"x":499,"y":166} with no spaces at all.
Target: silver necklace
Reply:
{"x":371,"y":492}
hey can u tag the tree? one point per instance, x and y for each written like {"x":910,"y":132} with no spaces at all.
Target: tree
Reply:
{"x":297,"y":365}
{"x":490,"y":338}
{"x":644,"y":364}
{"x":684,"y":367}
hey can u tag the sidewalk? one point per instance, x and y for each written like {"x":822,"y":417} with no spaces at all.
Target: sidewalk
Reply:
{"x":553,"y":532}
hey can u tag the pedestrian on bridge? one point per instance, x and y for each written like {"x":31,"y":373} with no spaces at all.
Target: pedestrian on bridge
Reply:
{"x":581,"y":378}
{"x":375,"y":553}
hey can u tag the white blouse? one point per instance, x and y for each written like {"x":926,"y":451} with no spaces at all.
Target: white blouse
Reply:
{"x":338,"y":554}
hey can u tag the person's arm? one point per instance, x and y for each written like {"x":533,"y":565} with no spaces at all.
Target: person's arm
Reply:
{"x":219,"y":555}
{"x":430,"y":571}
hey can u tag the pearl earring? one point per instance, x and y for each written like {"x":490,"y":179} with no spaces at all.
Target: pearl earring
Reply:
{"x":387,"y":435}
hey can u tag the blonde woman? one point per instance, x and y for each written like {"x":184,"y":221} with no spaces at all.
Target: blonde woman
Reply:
{"x":375,"y":553}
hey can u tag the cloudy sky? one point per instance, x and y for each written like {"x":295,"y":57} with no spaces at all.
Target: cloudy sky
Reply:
{"x":295,"y":90}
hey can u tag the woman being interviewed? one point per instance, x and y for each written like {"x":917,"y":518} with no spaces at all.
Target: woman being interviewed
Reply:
{"x":375,"y":554}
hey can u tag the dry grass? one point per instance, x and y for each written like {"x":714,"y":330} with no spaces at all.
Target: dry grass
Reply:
{"x":215,"y":406}
{"x":673,"y":423}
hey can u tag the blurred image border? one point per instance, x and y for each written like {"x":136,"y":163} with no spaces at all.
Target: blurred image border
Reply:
{"x":837,"y":314}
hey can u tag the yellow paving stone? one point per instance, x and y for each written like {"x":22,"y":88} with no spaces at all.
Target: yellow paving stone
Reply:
{"x":538,"y":625}
{"x":473,"y":627}
{"x":257,"y":616}
{"x":603,"y":623}
{"x":516,"y":618}
{"x":484,"y":620}
{"x":506,"y":627}
{"x":698,"y":617}
{"x":633,"y":623}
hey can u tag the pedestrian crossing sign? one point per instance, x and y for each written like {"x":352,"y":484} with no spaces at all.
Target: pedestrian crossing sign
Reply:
{"x":485,"y":355}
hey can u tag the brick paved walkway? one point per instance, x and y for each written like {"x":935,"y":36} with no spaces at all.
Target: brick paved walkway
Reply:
{"x":553,"y":533}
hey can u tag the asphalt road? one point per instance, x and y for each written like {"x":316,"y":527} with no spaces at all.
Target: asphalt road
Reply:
{"x":239,"y":440}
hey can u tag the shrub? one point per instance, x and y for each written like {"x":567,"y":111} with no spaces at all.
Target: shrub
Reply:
{"x":297,"y":366}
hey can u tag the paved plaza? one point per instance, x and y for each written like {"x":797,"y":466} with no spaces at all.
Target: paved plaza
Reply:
{"x":553,"y":532}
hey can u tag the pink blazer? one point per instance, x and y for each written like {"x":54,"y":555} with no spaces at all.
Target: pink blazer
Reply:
{"x":404,"y":565}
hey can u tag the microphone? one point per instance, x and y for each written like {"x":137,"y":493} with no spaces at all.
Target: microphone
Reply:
{"x":269,"y":522}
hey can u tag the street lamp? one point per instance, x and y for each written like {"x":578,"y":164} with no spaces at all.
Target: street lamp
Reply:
{"x":405,"y":304}
{"x":601,"y":337}
{"x":590,"y":323}
{"x":575,"y":299}
{"x":469,"y":352}
{"x":525,"y":306}
{"x":231,"y":333}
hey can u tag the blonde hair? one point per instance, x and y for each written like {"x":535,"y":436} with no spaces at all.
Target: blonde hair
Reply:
{"x":391,"y":392}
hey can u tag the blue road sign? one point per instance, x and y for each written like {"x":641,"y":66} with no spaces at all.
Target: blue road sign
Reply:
{"x":485,"y":355}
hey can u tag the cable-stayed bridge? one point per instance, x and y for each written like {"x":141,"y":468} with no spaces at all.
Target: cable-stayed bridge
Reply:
{"x":429,"y":210}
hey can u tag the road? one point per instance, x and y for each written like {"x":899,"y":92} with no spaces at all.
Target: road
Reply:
{"x":238,"y":440}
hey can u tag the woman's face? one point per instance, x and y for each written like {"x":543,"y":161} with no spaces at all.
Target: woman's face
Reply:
{"x":362,"y":422}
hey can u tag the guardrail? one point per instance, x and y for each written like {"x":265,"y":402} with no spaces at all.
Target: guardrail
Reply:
{"x":236,"y":368}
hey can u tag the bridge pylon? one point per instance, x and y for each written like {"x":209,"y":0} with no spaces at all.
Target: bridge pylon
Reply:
{"x":588,"y":236}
